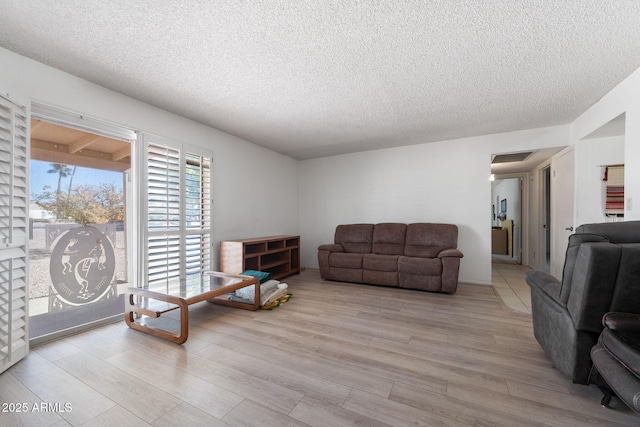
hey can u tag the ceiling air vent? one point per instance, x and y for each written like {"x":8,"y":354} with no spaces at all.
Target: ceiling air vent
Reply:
{"x":511,"y":157}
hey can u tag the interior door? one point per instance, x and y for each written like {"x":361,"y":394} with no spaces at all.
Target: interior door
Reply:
{"x":562,"y":189}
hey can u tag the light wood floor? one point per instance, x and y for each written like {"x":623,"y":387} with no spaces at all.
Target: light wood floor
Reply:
{"x":335,"y":355}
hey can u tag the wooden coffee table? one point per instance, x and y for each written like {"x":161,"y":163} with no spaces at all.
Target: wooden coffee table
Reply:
{"x":144,"y":306}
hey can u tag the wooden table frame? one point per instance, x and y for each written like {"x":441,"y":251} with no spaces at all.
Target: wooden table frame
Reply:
{"x":152,"y":304}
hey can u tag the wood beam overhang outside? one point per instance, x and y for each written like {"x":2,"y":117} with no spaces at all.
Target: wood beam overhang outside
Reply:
{"x":58,"y":153}
{"x":54,"y":143}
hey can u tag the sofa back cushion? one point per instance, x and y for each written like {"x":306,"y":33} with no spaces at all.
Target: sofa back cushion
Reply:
{"x":388,"y":238}
{"x":427,"y":239}
{"x":355,"y":238}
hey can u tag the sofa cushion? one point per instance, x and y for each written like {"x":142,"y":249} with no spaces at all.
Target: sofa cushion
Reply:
{"x":377,"y":262}
{"x":345,"y":260}
{"x":420,"y":266}
{"x":427,"y":239}
{"x":355,"y":237}
{"x":388,"y":238}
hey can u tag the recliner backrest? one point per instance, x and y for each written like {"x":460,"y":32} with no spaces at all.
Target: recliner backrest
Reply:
{"x":427,"y":239}
{"x":355,"y":238}
{"x":388,"y":238}
{"x":593,"y":284}
{"x":626,"y":296}
{"x":575,"y":240}
{"x":616,"y":232}
{"x":606,"y":278}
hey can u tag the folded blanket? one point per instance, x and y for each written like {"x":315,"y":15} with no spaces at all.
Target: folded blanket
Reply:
{"x":262,"y":276}
{"x":268,"y":295}
{"x":282,"y":289}
{"x":248,"y":292}
{"x":277,"y":302}
{"x":234,"y":297}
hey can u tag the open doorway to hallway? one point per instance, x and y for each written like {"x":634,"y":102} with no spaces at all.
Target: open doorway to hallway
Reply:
{"x":506,"y":225}
{"x":523,"y":203}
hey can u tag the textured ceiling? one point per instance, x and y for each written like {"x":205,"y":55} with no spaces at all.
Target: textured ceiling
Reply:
{"x":316,"y":78}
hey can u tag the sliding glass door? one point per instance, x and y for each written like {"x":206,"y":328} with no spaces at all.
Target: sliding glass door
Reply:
{"x":78,"y":231}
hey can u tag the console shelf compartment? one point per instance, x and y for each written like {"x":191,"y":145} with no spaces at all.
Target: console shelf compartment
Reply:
{"x":278,"y":255}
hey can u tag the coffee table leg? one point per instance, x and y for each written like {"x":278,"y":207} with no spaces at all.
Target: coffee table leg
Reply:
{"x":133,"y":313}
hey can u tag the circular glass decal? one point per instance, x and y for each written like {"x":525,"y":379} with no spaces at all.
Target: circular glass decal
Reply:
{"x":82,"y":265}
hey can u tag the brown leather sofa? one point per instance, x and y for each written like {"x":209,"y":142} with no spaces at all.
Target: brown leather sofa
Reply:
{"x":417,"y":256}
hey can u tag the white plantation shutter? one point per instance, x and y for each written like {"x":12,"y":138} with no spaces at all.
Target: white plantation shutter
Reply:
{"x":178,"y":211}
{"x":14,"y":210}
{"x":163,"y":226}
{"x":198,"y":214}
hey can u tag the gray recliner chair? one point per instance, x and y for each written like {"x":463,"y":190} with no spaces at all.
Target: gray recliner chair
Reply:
{"x":616,"y":359}
{"x":600,"y":275}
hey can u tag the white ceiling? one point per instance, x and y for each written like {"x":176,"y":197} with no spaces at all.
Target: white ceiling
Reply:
{"x":318,"y":78}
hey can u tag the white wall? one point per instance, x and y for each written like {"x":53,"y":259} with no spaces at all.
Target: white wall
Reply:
{"x":590,"y":188}
{"x":255,"y":190}
{"x":624,"y":98}
{"x":445,"y":181}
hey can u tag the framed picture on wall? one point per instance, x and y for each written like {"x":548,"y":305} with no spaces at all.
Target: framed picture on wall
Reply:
{"x":503,"y":205}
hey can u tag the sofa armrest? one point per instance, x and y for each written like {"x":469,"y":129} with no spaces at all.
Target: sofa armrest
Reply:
{"x":545,"y":282}
{"x":324,"y":252}
{"x":450,"y":253}
{"x":333,"y":247}
{"x":623,"y":322}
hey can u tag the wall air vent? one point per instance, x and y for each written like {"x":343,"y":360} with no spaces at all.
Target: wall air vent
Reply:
{"x":511,"y":157}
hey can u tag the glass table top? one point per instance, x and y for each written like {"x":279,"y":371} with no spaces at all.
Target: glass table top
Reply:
{"x":198,"y":284}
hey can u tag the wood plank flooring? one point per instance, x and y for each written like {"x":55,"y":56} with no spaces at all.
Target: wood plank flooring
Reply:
{"x":337,"y":354}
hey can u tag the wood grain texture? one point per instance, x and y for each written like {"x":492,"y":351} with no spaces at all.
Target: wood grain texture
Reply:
{"x":336,"y":354}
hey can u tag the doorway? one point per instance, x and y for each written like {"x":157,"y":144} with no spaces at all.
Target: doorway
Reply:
{"x":507,"y":220}
{"x":546,"y":218}
{"x":562,"y":207}
{"x":79,"y":247}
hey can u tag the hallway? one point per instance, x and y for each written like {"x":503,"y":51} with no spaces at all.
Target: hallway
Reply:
{"x":509,"y":283}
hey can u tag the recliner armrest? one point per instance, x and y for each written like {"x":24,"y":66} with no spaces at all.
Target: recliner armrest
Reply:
{"x":450,"y":253}
{"x":623,"y":322}
{"x":333,"y":247}
{"x":546,"y":283}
